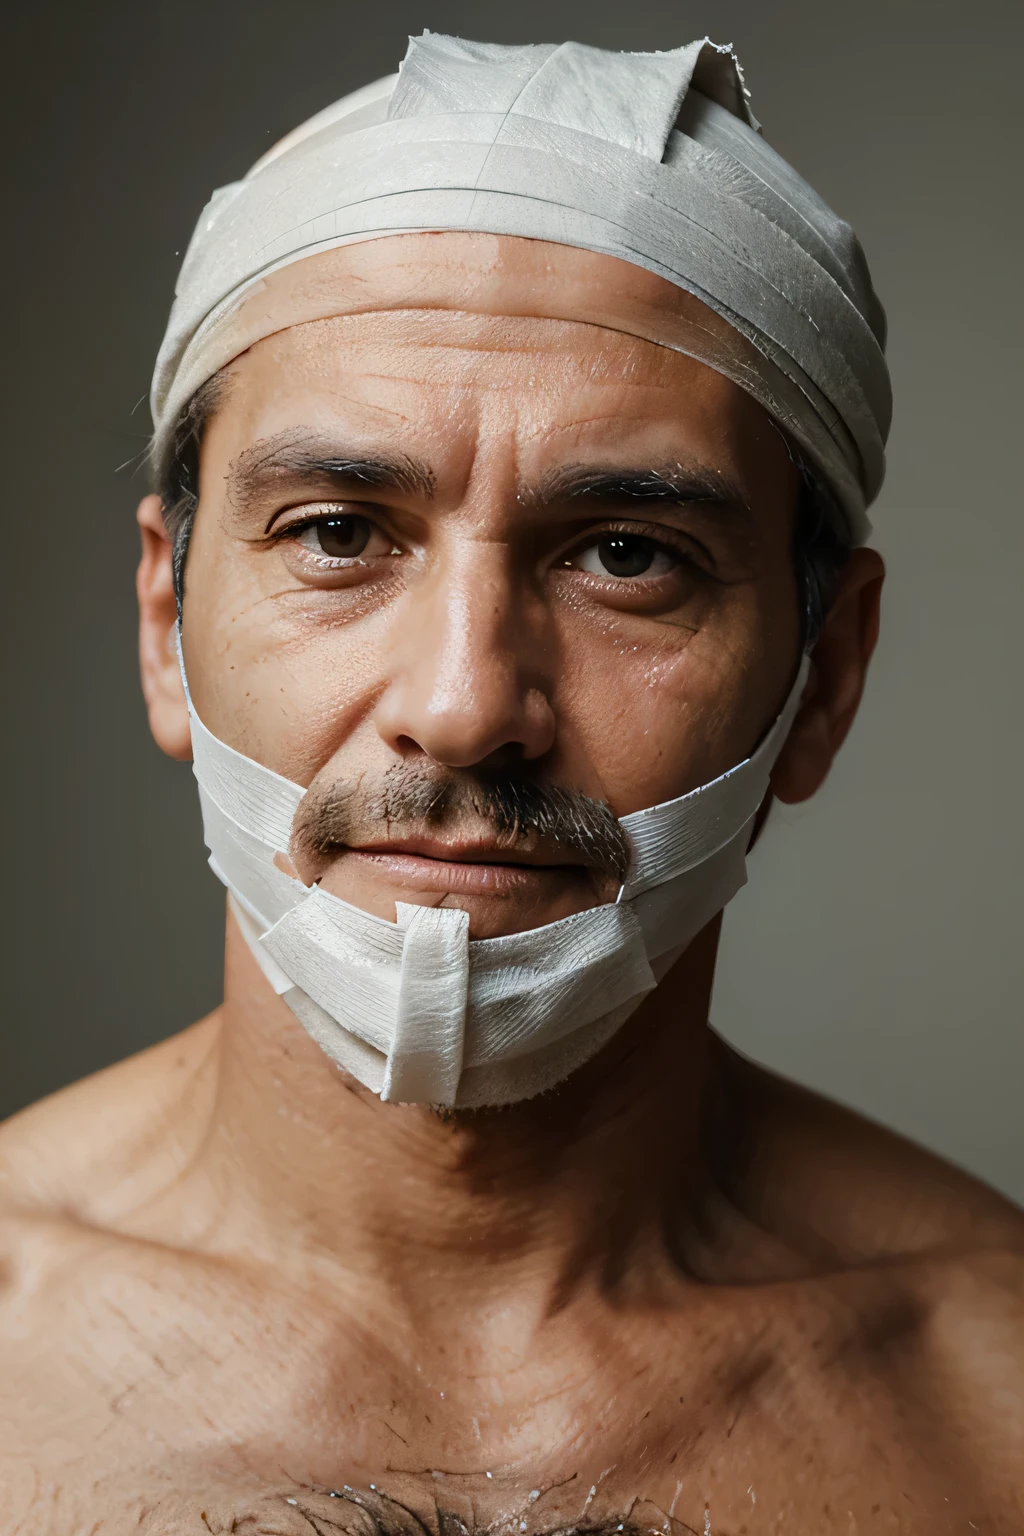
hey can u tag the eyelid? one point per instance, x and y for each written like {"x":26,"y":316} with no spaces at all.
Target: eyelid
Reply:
{"x":318,"y":511}
{"x":678,"y":542}
{"x":674,"y":539}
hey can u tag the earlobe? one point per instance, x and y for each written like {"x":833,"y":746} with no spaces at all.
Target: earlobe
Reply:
{"x":836,"y":683}
{"x":158,"y":657}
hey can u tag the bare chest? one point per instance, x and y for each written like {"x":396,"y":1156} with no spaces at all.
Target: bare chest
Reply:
{"x":180,"y":1402}
{"x":205,"y":1447}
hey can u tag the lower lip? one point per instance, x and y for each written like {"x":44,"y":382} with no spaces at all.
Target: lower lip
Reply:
{"x":423,"y":874}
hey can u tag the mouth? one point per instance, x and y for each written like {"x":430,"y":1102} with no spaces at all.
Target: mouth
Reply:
{"x":466,"y":867}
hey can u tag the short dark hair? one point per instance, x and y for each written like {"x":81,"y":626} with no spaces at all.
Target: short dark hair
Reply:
{"x":177,"y":477}
{"x":820,"y":547}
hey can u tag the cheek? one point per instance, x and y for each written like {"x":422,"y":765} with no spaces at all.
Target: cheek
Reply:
{"x":650,"y":711}
{"x":279,"y":674}
{"x":290,"y":699}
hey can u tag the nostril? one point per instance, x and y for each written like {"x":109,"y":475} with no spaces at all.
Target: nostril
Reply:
{"x":510,"y":755}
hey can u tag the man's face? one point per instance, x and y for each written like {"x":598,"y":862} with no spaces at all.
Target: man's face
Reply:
{"x":438,"y":552}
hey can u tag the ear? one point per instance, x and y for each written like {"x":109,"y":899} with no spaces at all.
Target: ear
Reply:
{"x":839,"y":665}
{"x":158,"y":656}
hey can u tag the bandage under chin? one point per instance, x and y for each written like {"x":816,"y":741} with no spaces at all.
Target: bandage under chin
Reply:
{"x":421,"y":1013}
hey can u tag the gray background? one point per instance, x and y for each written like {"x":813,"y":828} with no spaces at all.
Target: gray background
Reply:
{"x":877,"y":953}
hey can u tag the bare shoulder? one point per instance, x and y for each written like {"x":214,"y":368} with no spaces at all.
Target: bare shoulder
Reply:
{"x":86,"y":1313}
{"x":899,"y":1287}
{"x":947,"y":1342}
{"x":104,"y":1143}
{"x":850,"y":1192}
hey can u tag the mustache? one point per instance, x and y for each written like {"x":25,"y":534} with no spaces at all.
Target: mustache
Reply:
{"x":344,"y":813}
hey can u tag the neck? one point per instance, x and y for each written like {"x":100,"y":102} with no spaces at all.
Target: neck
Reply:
{"x":584,"y":1171}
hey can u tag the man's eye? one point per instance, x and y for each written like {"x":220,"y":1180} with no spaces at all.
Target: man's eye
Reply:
{"x":624,"y":555}
{"x":339,"y":538}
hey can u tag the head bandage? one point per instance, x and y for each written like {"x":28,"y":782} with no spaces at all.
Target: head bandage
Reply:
{"x":652,"y":158}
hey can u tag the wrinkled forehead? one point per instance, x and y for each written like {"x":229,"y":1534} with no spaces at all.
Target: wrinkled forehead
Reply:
{"x":447,"y":344}
{"x":492,"y":277}
{"x":461,"y":352}
{"x":504,"y":401}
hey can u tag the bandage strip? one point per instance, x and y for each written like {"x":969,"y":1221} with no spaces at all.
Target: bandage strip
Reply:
{"x":670,"y":838}
{"x":425,"y":1062}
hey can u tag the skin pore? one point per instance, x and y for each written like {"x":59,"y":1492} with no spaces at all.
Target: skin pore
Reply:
{"x":673,"y":1294}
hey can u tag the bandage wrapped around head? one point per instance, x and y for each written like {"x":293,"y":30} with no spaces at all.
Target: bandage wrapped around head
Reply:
{"x":653,"y":158}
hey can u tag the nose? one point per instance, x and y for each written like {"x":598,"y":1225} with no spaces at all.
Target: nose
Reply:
{"x":467,"y":681}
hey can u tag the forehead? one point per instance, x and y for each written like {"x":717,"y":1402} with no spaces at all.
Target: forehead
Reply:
{"x":438,"y":343}
{"x":448,"y":375}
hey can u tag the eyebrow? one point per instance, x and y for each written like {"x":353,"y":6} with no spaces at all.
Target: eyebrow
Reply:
{"x":669,"y":484}
{"x":303,"y":458}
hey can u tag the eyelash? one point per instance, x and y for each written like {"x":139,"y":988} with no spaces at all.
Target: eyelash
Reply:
{"x":682,"y":549}
{"x":334,"y":510}
{"x":687,"y":551}
{"x":331,"y":509}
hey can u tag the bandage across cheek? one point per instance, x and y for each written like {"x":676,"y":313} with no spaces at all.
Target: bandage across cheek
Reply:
{"x":421,"y":1013}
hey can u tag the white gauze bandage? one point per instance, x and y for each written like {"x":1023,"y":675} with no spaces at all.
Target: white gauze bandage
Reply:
{"x":418,"y":1011}
{"x":653,"y":158}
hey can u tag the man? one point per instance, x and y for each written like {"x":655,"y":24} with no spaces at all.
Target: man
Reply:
{"x":515,"y":423}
